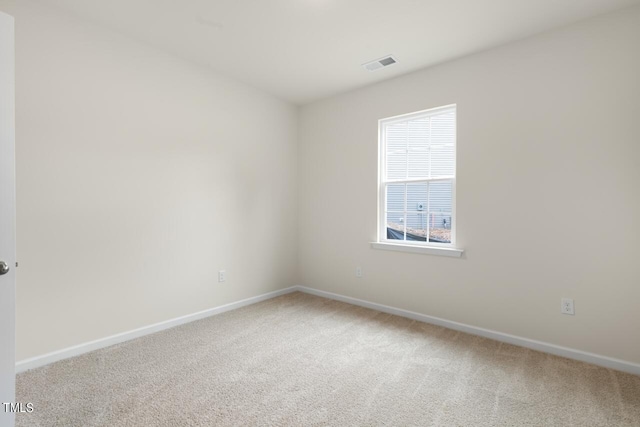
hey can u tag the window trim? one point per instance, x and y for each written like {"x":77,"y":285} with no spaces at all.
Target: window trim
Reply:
{"x":423,"y":249}
{"x":382,"y":242}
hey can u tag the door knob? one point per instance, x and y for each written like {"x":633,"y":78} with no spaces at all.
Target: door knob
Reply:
{"x":4,"y":268}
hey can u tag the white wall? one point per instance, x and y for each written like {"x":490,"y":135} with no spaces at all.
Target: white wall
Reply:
{"x":548,"y":128}
{"x":139,"y":176}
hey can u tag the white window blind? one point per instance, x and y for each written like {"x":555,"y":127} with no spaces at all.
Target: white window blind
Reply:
{"x":417,"y":178}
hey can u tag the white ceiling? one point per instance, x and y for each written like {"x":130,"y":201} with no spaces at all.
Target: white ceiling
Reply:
{"x":304,"y":50}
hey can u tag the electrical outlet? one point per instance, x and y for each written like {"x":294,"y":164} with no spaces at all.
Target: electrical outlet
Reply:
{"x":359,"y":272}
{"x":566,"y":306}
{"x":222,"y":276}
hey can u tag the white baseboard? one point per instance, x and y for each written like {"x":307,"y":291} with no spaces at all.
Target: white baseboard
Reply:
{"x":570,"y":353}
{"x":76,"y":350}
{"x":596,"y":359}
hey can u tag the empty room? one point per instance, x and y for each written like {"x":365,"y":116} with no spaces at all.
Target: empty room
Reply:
{"x":319,"y":213}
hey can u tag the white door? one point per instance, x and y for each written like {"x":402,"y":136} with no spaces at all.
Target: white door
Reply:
{"x":7,"y":221}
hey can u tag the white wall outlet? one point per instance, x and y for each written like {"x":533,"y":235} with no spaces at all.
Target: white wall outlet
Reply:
{"x":359,"y":272}
{"x":566,"y":306}
{"x":222,"y":276}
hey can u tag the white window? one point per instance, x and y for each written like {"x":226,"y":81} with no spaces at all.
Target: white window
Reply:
{"x":418,"y":178}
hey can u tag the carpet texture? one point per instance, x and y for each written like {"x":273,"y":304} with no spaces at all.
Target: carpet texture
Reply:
{"x":303,"y":360}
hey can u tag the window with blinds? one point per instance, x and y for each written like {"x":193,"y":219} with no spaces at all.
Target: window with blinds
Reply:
{"x":417,"y":178}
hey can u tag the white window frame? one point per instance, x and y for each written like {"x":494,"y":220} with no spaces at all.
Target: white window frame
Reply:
{"x":447,"y":249}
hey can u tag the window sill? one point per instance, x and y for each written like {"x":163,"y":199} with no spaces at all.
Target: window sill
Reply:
{"x":429,"y":250}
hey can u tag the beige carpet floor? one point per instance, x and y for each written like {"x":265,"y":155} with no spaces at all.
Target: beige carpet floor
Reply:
{"x":302,"y":360}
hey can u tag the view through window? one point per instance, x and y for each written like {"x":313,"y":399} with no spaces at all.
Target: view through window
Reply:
{"x":417,"y":179}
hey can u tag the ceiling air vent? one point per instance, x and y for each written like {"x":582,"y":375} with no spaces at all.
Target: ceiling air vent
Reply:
{"x":380,"y":63}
